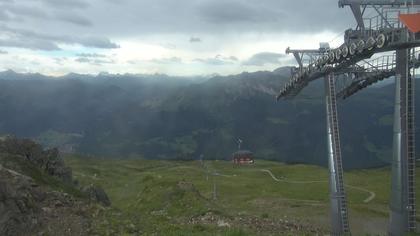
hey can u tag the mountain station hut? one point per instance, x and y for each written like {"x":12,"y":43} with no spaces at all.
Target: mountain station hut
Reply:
{"x":243,"y":157}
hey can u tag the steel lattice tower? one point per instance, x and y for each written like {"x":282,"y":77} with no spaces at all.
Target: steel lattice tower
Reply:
{"x":339,"y":212}
{"x":402,"y":202}
{"x":385,"y":32}
{"x":338,"y":201}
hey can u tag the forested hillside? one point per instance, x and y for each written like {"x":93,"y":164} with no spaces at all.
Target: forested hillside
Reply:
{"x":162,"y":117}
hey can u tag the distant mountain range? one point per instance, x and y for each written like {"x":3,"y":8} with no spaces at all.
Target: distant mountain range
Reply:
{"x":163,"y":117}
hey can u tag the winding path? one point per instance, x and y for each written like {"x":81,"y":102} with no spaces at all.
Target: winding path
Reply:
{"x":372,"y":194}
{"x":290,"y":181}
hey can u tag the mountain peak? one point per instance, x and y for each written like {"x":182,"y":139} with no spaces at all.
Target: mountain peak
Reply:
{"x":9,"y":72}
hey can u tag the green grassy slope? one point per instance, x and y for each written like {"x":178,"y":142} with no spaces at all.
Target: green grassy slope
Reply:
{"x":176,"y":198}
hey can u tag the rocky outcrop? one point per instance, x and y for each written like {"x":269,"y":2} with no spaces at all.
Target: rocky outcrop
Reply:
{"x":38,"y":195}
{"x":54,"y":165}
{"x":47,"y":160}
{"x":16,"y":201}
{"x":29,"y":209}
{"x":97,"y":194}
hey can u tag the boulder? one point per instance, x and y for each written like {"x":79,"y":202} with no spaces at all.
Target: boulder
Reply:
{"x":29,"y":209}
{"x":97,"y":194}
{"x":54,"y":166}
{"x":18,"y":195}
{"x":48,"y":160}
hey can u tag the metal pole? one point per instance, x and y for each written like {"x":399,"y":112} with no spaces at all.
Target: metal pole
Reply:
{"x":402,"y":204}
{"x":214,"y":189}
{"x":339,"y":215}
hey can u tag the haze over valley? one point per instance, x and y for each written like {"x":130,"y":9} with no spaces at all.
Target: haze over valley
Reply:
{"x":164,"y":117}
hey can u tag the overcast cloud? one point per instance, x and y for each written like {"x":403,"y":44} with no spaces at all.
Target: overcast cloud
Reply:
{"x":263,"y":58}
{"x":251,"y":35}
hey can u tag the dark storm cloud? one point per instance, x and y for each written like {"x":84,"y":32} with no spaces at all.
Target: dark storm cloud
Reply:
{"x":26,"y":12}
{"x":33,"y":12}
{"x":25,"y":39}
{"x":144,"y":17}
{"x":274,"y":15}
{"x":91,"y":41}
{"x":32,"y":40}
{"x":74,"y":19}
{"x":33,"y":44}
{"x":232,"y":11}
{"x":132,"y":18}
{"x":263,"y":58}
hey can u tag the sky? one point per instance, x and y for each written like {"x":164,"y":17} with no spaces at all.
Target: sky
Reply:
{"x":174,"y":37}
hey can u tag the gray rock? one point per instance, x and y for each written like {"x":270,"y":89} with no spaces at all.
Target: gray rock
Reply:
{"x":49,"y":160}
{"x":54,"y":165}
{"x":29,"y":209}
{"x":17,"y":197}
{"x":97,"y":194}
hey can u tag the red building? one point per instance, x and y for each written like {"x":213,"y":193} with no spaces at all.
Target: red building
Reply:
{"x":243,"y":157}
